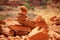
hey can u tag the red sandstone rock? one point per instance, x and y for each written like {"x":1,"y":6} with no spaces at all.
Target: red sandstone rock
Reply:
{"x":41,"y":22}
{"x":2,"y":22}
{"x":21,"y":28}
{"x":39,"y":36}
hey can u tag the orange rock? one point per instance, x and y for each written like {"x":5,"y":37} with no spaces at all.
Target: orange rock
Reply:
{"x":37,"y":19}
{"x":39,"y":36}
{"x":11,"y":32}
{"x":23,"y":9}
{"x":21,"y":17}
{"x":22,"y":33}
{"x":57,"y":38}
{"x":22,"y":14}
{"x":27,"y":24}
{"x":45,"y":31}
{"x":55,"y":20}
{"x":20,"y":28}
{"x":52,"y":18}
{"x":41,"y":22}
{"x":2,"y":22}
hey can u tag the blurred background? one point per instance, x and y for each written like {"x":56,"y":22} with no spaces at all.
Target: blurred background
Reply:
{"x":45,"y":8}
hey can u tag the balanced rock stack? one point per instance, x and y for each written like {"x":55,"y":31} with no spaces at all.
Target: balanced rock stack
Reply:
{"x":55,"y":23}
{"x":26,"y":29}
{"x":25,"y":25}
